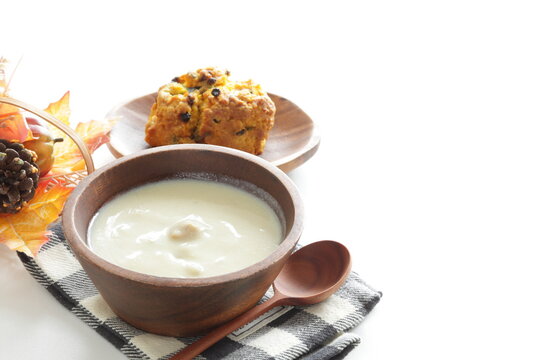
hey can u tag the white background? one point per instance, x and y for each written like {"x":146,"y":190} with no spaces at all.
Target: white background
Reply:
{"x":428,"y":167}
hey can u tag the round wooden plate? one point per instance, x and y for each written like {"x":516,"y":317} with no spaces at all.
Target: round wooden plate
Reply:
{"x":293,"y":139}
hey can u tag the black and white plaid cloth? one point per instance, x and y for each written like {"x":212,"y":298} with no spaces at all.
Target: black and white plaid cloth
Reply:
{"x":312,"y":332}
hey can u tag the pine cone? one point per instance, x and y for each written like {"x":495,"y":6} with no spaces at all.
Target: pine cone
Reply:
{"x":19,"y":175}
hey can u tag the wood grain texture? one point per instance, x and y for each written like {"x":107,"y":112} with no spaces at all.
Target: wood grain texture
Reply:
{"x":180,"y":306}
{"x":309,"y":276}
{"x":291,"y":142}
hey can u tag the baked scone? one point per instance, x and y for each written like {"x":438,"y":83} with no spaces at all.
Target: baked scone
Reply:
{"x":207,"y":107}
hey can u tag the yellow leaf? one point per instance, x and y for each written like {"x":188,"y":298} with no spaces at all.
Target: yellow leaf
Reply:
{"x":26,"y":231}
{"x":68,"y":158}
{"x":60,"y":109}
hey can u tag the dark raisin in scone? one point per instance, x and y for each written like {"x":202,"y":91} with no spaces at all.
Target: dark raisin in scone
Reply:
{"x":207,"y":107}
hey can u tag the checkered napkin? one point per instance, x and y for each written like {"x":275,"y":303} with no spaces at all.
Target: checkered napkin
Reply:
{"x":313,"y":332}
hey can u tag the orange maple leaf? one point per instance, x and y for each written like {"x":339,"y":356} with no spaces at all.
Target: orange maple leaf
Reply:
{"x":94,"y":133}
{"x":26,"y":231}
{"x":68,"y":158}
{"x":60,"y":110}
{"x":13,"y":125}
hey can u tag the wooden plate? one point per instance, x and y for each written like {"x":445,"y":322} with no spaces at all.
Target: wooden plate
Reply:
{"x":291,"y":142}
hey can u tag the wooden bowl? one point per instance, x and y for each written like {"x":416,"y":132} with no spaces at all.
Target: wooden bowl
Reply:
{"x":180,"y":306}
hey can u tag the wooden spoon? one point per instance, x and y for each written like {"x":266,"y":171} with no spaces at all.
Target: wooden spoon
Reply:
{"x":309,"y":276}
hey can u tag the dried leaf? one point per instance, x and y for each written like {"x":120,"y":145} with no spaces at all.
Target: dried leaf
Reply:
{"x":13,"y":126}
{"x":26,"y":231}
{"x":69,"y":158}
{"x":60,"y":109}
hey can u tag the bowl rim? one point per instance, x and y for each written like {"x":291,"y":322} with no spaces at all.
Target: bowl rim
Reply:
{"x":81,"y":249}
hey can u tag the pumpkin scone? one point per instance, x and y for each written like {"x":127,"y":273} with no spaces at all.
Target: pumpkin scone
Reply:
{"x":207,"y":107}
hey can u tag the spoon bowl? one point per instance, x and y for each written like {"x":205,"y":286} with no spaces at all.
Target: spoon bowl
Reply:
{"x":313,"y":273}
{"x":309,"y":276}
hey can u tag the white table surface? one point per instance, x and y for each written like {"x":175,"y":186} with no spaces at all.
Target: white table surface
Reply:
{"x":428,"y":167}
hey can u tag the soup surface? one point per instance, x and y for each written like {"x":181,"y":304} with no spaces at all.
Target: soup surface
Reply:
{"x":185,"y":228}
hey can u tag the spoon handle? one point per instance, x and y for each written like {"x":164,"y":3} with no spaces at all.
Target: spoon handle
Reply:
{"x":220,"y":332}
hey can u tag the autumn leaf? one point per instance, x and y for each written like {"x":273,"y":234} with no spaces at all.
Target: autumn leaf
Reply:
{"x":60,"y":109}
{"x":13,"y":125}
{"x":68,"y":157}
{"x":26,"y":231}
